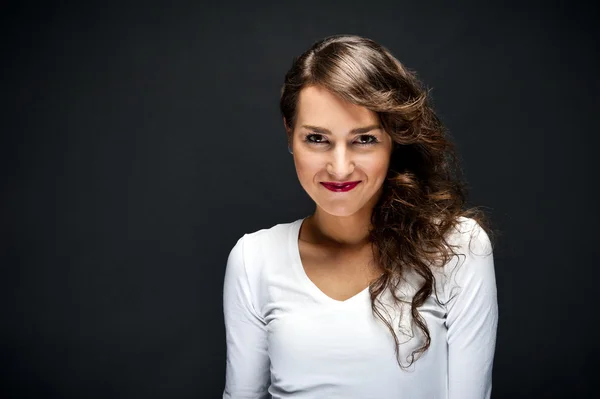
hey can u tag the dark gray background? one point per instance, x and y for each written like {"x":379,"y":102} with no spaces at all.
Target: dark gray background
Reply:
{"x":140,"y":141}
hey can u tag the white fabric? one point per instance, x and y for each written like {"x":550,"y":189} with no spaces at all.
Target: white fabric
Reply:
{"x":287,"y":339}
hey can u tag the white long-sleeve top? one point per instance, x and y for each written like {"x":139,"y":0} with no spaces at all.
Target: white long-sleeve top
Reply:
{"x":287,"y":339}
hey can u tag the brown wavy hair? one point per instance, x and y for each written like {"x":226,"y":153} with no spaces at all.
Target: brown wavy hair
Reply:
{"x":424,"y":193}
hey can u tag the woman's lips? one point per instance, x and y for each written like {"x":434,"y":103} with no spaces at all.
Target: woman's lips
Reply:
{"x":341,"y":187}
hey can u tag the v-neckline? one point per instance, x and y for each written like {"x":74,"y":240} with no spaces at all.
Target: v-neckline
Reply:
{"x":299,"y":267}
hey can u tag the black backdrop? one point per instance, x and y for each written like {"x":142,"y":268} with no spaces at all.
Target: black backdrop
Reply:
{"x":140,"y":140}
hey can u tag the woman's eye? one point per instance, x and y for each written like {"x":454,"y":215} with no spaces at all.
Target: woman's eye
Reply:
{"x":311,"y":138}
{"x":365,"y":139}
{"x":369,"y":139}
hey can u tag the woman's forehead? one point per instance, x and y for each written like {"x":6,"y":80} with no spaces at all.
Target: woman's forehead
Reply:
{"x":319,"y":107}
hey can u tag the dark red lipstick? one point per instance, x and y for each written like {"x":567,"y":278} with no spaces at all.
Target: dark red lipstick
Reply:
{"x":340,"y":187}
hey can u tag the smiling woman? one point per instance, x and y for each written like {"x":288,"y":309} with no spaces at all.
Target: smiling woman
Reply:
{"x":388,"y":289}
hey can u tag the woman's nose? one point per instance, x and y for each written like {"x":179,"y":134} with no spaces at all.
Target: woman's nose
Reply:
{"x":341,"y":164}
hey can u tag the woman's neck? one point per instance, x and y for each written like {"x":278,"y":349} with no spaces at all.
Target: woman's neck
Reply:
{"x":350,"y":232}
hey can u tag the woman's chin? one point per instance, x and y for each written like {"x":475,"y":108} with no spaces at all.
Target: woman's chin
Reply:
{"x":340,"y":210}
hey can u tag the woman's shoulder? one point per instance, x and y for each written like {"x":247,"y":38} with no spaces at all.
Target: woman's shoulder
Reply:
{"x":258,"y":255}
{"x":267,"y":241}
{"x":468,"y":235}
{"x":272,"y":230}
{"x":274,"y":233}
{"x":473,"y":260}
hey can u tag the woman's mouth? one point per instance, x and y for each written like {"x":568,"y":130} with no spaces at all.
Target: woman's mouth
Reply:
{"x":340,"y":187}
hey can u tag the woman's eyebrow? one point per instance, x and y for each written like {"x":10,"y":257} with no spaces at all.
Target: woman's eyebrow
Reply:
{"x":358,"y":130}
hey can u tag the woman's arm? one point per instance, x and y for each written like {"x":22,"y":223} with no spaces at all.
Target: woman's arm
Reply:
{"x":247,"y":370}
{"x":472,"y":320}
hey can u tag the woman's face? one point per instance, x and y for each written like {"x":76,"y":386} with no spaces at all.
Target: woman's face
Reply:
{"x":335,"y":141}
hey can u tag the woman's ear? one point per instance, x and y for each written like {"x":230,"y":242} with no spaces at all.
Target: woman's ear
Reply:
{"x":288,"y":130}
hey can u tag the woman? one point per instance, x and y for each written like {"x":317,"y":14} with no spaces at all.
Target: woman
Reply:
{"x":387,"y":290}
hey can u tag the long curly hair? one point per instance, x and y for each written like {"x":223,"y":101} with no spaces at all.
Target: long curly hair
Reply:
{"x":424,"y":194}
